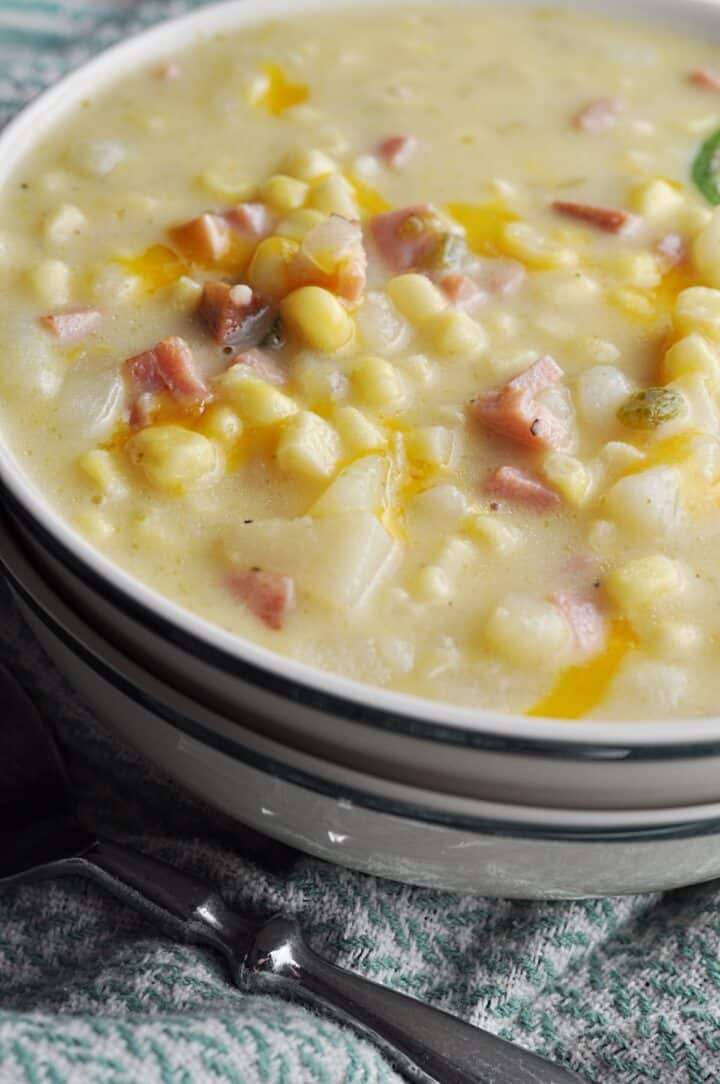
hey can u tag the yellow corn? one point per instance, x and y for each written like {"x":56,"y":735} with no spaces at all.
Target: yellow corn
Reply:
{"x":334,"y":195}
{"x":298,"y":223}
{"x":377,"y":382}
{"x":416,"y":297}
{"x":222,"y":424}
{"x":172,"y":458}
{"x":318,"y":318}
{"x":258,"y":403}
{"x":454,"y":334}
{"x":284,"y":193}
{"x":310,"y":165}
{"x":269,"y":270}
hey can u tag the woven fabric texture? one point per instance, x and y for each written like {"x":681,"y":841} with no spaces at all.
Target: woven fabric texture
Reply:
{"x":624,"y":990}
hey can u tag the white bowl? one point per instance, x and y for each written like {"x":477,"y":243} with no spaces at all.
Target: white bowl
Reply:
{"x":635,"y":788}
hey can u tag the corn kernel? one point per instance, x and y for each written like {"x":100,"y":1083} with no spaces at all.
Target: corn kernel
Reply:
{"x":706,"y":251}
{"x":221,"y":423}
{"x":640,"y":270}
{"x":333,"y":195}
{"x":534,"y":249}
{"x":693,"y":354}
{"x":269,"y":270}
{"x":309,"y":447}
{"x":310,"y":165}
{"x":416,"y":297}
{"x":51,"y":282}
{"x":298,"y":223}
{"x":173,"y":458}
{"x":226,"y":182}
{"x":698,"y":309}
{"x":568,"y":475}
{"x":378,"y":383}
{"x":358,"y":434}
{"x":258,"y":403}
{"x":283,"y":193}
{"x":64,"y":224}
{"x":317,"y":316}
{"x":102,"y":468}
{"x":495,"y":532}
{"x":641,"y":582}
{"x":657,"y":200}
{"x":433,"y":445}
{"x":454,"y":334}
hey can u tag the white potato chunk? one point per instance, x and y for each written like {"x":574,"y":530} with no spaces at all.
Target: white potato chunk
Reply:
{"x":31,"y":364}
{"x":600,"y":393}
{"x":360,"y":487}
{"x":339,"y":560}
{"x":529,"y":632}
{"x":90,"y":401}
{"x":380,"y":327}
{"x":658,"y":686}
{"x":98,"y":157}
{"x":64,"y":224}
{"x":647,"y":504}
{"x":309,"y":447}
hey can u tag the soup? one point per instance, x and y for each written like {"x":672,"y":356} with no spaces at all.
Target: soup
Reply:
{"x":393,"y":344}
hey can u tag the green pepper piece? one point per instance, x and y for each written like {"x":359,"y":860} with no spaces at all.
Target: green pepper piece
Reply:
{"x":706,"y":168}
{"x":650,"y":408}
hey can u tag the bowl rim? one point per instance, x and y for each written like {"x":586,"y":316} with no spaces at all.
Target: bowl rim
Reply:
{"x":331,"y":692}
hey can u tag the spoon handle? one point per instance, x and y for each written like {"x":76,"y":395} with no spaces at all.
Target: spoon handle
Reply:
{"x":426,"y":1044}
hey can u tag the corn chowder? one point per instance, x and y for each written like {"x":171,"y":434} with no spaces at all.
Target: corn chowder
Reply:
{"x":395,"y":347}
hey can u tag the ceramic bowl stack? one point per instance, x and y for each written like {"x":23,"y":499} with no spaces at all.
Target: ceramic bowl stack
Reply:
{"x":401,"y":787}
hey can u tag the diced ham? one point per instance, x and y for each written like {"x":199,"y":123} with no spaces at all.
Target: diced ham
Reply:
{"x":332,"y":255}
{"x":396,"y":151}
{"x":72,"y":325}
{"x":205,"y":239}
{"x":518,"y":487}
{"x":674,"y":249}
{"x":600,"y":115}
{"x":463,"y":292}
{"x":168,"y":366}
{"x":268,"y":595}
{"x":267,"y":367}
{"x":586,"y":620}
{"x":705,"y":78}
{"x":512,"y":411}
{"x":609,"y":219}
{"x":251,"y":219}
{"x":235,"y":315}
{"x":406,"y":238}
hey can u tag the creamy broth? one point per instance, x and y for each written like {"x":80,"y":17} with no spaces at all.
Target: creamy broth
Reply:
{"x":485,"y":468}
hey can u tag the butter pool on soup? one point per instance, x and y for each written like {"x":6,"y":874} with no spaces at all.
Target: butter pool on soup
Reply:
{"x":394,"y":346}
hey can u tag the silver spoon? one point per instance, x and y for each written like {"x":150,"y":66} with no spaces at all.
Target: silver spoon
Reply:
{"x":41,"y":837}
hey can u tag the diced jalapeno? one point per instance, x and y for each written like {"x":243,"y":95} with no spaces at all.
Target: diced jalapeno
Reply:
{"x":650,"y":408}
{"x":706,"y":168}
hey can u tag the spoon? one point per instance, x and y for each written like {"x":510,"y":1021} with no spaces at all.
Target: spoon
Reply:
{"x":41,"y":837}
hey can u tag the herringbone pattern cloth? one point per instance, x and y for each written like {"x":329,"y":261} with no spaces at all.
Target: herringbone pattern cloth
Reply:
{"x":625,"y":990}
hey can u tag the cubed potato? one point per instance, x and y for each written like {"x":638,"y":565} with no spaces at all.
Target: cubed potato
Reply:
{"x":600,"y":392}
{"x":297,"y":224}
{"x":309,"y":448}
{"x":432,"y":445}
{"x":529,"y":632}
{"x":319,"y":379}
{"x":91,"y":401}
{"x":494,"y":531}
{"x":358,"y":488}
{"x":64,"y":224}
{"x":358,"y":434}
{"x":172,"y":458}
{"x":658,"y":201}
{"x":638,"y":269}
{"x":51,"y":282}
{"x":647,"y":505}
{"x":339,"y":560}
{"x":644,"y":581}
